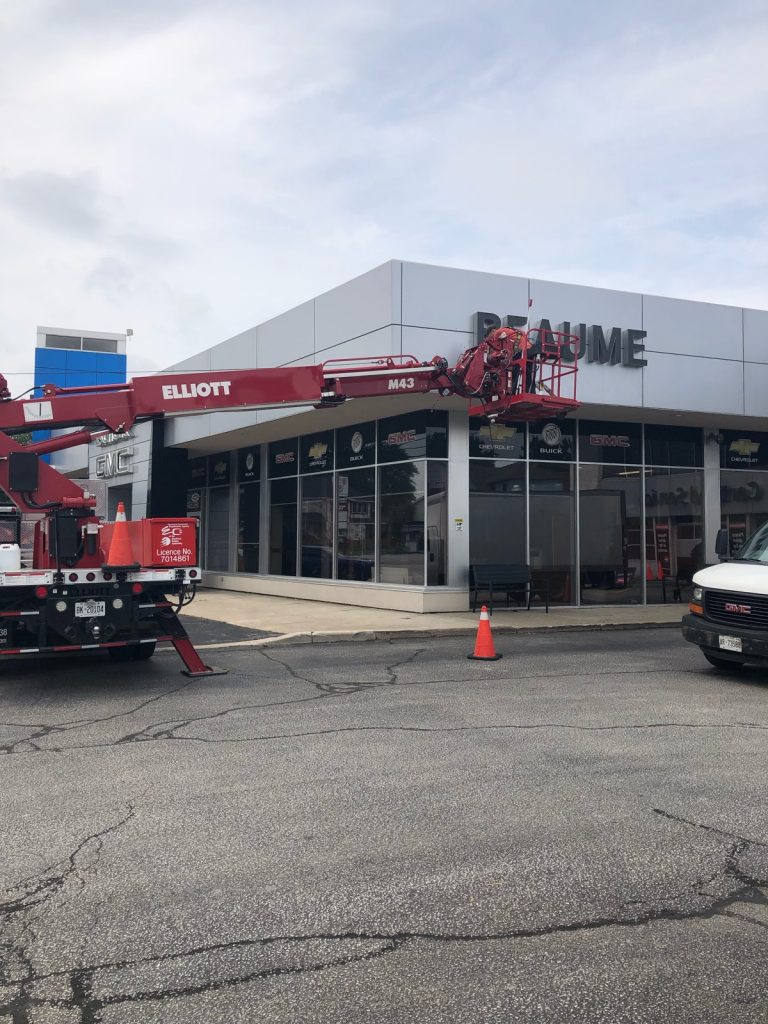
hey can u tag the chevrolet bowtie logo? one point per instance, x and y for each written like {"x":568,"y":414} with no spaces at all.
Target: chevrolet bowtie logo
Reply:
{"x":745,"y":447}
{"x":317,"y":451}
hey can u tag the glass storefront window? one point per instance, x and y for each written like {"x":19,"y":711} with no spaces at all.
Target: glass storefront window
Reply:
{"x":413,"y":435}
{"x":317,"y":526}
{"x":497,"y":513}
{"x":674,"y":531}
{"x":282,"y":527}
{"x":197,"y":473}
{"x":356,"y":446}
{"x":673,"y":446}
{"x":610,"y":534}
{"x":552,"y":441}
{"x":356,"y":524}
{"x":401,"y":523}
{"x":743,"y":504}
{"x":217,"y":530}
{"x":317,"y":452}
{"x":249,"y":506}
{"x":553,"y":529}
{"x":283,"y":457}
{"x":611,"y":443}
{"x":437,"y":523}
{"x":744,"y":449}
{"x":496,"y":440}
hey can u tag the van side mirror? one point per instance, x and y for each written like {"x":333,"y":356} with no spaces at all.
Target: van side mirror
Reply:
{"x":721,"y":543}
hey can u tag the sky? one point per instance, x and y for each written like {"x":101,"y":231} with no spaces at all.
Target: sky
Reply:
{"x":189,"y":169}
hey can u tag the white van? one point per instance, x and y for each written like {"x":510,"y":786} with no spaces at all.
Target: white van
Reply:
{"x":728,"y":613}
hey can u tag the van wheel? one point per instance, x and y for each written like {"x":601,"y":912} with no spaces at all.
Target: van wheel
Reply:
{"x":722,"y":663}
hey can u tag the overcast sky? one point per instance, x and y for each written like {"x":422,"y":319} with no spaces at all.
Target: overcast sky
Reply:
{"x":189,"y":168}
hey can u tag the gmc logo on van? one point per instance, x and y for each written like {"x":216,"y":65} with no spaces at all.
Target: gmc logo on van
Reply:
{"x":741,"y":609}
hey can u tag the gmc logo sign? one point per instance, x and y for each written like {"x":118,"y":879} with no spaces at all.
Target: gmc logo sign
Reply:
{"x":741,"y":609}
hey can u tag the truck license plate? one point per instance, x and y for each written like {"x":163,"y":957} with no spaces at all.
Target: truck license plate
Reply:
{"x":729,"y":643}
{"x":90,"y":609}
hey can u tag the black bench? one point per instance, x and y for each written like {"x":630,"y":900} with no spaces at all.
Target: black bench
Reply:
{"x":506,"y":579}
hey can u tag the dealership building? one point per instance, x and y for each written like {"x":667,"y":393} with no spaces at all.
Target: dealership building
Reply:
{"x":388,"y":502}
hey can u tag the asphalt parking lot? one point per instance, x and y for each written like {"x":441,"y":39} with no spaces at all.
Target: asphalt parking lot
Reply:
{"x":382,"y":832}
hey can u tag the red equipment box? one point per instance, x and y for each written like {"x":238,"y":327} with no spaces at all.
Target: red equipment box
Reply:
{"x":158,"y":543}
{"x":169,"y":542}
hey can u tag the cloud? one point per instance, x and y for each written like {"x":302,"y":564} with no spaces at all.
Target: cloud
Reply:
{"x":67,"y":204}
{"x":190,"y":169}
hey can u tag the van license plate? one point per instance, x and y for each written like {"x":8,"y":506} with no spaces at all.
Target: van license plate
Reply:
{"x":93,"y":609}
{"x":729,"y":643}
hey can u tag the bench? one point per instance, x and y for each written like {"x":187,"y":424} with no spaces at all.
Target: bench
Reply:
{"x":506,"y":579}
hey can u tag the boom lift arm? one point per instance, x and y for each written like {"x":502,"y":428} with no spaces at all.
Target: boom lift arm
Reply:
{"x":511,"y":374}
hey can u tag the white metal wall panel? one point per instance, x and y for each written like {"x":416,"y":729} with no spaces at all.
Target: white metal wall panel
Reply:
{"x":424,"y":343}
{"x":690,"y":384}
{"x":692,"y":328}
{"x":447,"y":299}
{"x":238,"y":353}
{"x":610,"y":385}
{"x":192,"y":364}
{"x":356,"y":308}
{"x":287,"y":338}
{"x":384,"y":342}
{"x":578,"y":304}
{"x":756,"y":338}
{"x":756,"y":390}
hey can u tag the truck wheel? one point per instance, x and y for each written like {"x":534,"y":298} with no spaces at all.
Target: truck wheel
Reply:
{"x":722,"y":663}
{"x":143,"y":652}
{"x":120,"y":653}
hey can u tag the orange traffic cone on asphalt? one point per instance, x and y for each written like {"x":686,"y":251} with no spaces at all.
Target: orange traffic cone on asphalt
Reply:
{"x":484,"y":649}
{"x":120,"y":553}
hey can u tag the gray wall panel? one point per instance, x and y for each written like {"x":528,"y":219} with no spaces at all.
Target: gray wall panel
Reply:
{"x":445,"y":298}
{"x":608,"y":385}
{"x":192,"y":364}
{"x":756,"y":336}
{"x":356,"y":308}
{"x":236,"y":354}
{"x":287,"y":338}
{"x":384,"y":342}
{"x":425,"y":343}
{"x":577,"y":304}
{"x":692,"y":328}
{"x":756,"y":390}
{"x":687,"y":383}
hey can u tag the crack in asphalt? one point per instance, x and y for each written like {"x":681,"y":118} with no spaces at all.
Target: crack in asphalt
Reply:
{"x":28,"y":901}
{"x":168,"y":729}
{"x":78,"y":723}
{"x":84,"y":981}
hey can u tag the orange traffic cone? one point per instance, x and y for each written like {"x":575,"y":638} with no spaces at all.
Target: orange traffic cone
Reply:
{"x":648,"y":572}
{"x":120,"y":553}
{"x":484,"y":649}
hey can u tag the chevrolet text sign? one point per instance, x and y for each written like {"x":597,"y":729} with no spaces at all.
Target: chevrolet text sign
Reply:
{"x":614,"y":346}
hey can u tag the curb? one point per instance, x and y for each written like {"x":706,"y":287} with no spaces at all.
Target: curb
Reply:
{"x":364,"y":635}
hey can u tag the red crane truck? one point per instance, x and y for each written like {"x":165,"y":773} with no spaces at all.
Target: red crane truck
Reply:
{"x":71,"y":598}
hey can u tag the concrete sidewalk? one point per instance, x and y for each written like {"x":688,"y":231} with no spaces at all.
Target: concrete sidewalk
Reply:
{"x":295,"y":621}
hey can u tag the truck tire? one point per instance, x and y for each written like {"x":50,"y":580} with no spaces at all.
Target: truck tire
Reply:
{"x":132,"y":652}
{"x":143,"y":652}
{"x":120,"y":653}
{"x":722,"y":663}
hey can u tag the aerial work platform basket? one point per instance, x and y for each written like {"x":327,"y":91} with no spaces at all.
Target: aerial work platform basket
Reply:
{"x":541,"y":367}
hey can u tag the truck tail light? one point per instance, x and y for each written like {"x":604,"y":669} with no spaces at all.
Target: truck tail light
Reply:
{"x":41,"y":592}
{"x":137,"y":588}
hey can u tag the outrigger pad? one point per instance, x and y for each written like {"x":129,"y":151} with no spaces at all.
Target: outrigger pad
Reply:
{"x":211,"y":670}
